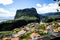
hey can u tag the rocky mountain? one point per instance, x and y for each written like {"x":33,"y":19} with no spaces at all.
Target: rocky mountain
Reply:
{"x":27,"y":14}
{"x":22,"y":17}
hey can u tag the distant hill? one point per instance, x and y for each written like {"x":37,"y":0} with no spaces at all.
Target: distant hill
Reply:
{"x":49,"y":17}
{"x":49,"y":14}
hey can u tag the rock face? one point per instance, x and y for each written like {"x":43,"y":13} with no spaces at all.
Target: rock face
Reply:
{"x":27,"y":14}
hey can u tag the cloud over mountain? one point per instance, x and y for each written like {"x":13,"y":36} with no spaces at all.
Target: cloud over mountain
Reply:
{"x":45,"y":8}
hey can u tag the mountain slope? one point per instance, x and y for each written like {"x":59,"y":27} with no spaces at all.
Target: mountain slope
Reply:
{"x":22,"y":18}
{"x":52,"y":13}
{"x":49,"y":17}
{"x":28,"y":13}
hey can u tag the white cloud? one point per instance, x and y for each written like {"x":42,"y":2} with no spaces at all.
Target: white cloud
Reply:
{"x":45,"y":8}
{"x":6,"y":2}
{"x":38,"y":5}
{"x":6,"y":14}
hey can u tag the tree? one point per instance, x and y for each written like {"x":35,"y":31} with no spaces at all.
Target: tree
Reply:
{"x":57,"y":10}
{"x":56,"y":0}
{"x":58,"y":4}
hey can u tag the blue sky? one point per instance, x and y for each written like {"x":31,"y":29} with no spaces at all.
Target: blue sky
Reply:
{"x":8,"y":7}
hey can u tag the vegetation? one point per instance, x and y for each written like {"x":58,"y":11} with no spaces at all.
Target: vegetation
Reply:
{"x":16,"y":30}
{"x":5,"y":33}
{"x":26,"y":13}
{"x":25,"y":18}
{"x":56,"y":25}
{"x":50,"y":17}
{"x":43,"y":27}
{"x":22,"y":18}
{"x":43,"y":34}
{"x":27,"y":35}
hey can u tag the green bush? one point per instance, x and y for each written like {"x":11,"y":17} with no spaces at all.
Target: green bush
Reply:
{"x":5,"y":33}
{"x":43,"y":34}
{"x":43,"y":27}
{"x":16,"y":30}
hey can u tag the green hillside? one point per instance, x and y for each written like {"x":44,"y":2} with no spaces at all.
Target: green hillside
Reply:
{"x":22,"y":17}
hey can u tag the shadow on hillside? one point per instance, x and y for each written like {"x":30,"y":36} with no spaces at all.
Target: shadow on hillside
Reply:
{"x":57,"y":38}
{"x":16,"y":24}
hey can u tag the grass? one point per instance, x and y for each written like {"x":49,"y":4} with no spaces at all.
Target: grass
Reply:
{"x":5,"y":33}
